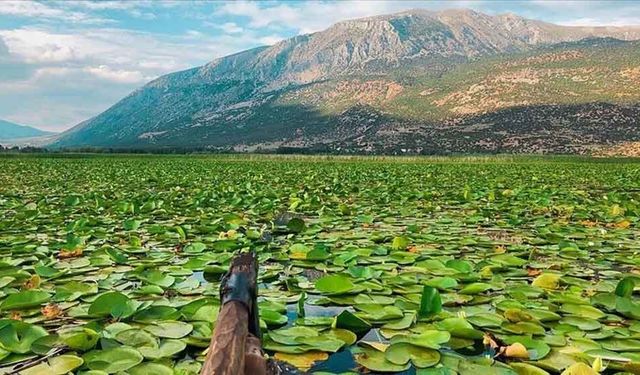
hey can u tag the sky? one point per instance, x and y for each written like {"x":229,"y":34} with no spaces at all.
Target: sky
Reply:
{"x":63,"y":62}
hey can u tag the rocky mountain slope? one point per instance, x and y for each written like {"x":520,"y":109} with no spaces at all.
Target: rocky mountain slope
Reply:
{"x":9,"y":130}
{"x":416,"y":81}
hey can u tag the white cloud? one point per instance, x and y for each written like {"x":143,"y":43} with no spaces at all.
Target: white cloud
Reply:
{"x":111,"y":47}
{"x":41,"y":10}
{"x":593,"y":22}
{"x":231,"y":28}
{"x":143,"y":15}
{"x":117,"y":75}
{"x":105,"y":4}
{"x":311,"y":16}
{"x":37,"y":46}
{"x":195,"y":33}
{"x":271,"y":39}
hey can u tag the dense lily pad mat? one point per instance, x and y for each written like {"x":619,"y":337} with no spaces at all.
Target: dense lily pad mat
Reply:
{"x":112,"y":264}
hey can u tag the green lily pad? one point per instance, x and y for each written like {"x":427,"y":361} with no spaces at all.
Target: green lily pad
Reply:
{"x":584,"y":324}
{"x":115,"y":304}
{"x":79,"y":338}
{"x":403,"y":323}
{"x":527,"y":369}
{"x":374,"y":360}
{"x":459,"y":327}
{"x":170,"y":329}
{"x":17,"y":336}
{"x":25,"y":299}
{"x":113,"y":360}
{"x":430,"y":339}
{"x":59,"y":365}
{"x":402,"y":353}
{"x":334,"y":284}
{"x":136,"y":337}
{"x":476,"y":288}
{"x":167,"y":348}
{"x":584,"y":311}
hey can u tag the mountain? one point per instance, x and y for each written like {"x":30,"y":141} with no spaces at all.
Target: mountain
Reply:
{"x":416,"y":81}
{"x":11,"y":131}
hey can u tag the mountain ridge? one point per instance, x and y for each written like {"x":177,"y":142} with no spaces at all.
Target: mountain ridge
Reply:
{"x":12,"y":131}
{"x":389,"y":55}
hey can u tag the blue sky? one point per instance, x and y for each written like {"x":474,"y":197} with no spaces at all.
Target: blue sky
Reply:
{"x":64,"y":62}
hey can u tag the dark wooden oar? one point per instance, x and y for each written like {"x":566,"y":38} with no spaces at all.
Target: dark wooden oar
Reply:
{"x":235,"y":346}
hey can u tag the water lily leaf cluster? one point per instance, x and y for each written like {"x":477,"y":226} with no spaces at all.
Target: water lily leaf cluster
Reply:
{"x":112,"y":264}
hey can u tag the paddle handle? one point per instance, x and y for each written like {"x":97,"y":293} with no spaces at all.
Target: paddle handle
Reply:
{"x":227,"y":347}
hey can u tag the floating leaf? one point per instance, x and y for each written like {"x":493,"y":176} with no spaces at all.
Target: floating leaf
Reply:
{"x":400,"y":243}
{"x":115,"y":304}
{"x":401,"y":353}
{"x":584,"y":311}
{"x":17,"y":336}
{"x":59,"y":365}
{"x":23,"y":300}
{"x":79,"y":338}
{"x":113,"y":360}
{"x":375,"y":361}
{"x":302,"y":361}
{"x":167,"y":348}
{"x":334,"y":284}
{"x":547,"y":281}
{"x":579,"y":369}
{"x":476,"y":288}
{"x":430,"y":339}
{"x":170,"y":329}
{"x":151,"y":368}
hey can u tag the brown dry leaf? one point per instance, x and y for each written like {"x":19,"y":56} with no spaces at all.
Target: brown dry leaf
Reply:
{"x":533,"y":272}
{"x":489,"y":341}
{"x":64,"y":254}
{"x":516,"y":350}
{"x":589,"y":223}
{"x":302,"y":361}
{"x":412,"y":249}
{"x":51,"y":311}
{"x":15,"y":316}
{"x":33,"y":282}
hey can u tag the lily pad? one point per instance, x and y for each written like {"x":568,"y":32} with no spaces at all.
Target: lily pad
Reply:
{"x":113,"y":360}
{"x":25,"y":299}
{"x":402,"y":353}
{"x":334,"y":284}
{"x":374,"y":360}
{"x":170,"y":329}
